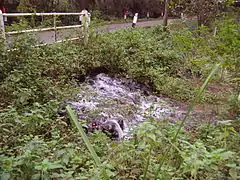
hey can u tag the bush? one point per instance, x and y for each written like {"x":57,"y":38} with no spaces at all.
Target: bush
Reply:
{"x":36,"y":143}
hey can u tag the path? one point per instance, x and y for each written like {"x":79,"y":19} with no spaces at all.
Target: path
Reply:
{"x":114,"y":27}
{"x":48,"y":37}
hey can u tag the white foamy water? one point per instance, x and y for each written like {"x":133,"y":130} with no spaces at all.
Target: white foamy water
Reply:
{"x":120,"y":104}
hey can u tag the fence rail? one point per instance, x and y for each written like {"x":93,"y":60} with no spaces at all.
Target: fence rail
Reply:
{"x":83,"y":27}
{"x":42,"y":29}
{"x":41,"y":14}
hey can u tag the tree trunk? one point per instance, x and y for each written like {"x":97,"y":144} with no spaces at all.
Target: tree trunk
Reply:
{"x":97,"y":4}
{"x":165,"y":18}
{"x":200,"y":19}
{"x":200,"y":15}
{"x":1,"y":4}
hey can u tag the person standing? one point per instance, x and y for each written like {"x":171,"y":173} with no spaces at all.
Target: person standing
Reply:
{"x":4,"y":11}
{"x":135,"y":18}
{"x":162,"y":13}
{"x":148,"y":15}
{"x":125,"y":15}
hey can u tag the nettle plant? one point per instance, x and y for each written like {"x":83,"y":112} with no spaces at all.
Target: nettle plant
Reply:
{"x":228,"y":44}
{"x":36,"y":143}
{"x":202,"y":48}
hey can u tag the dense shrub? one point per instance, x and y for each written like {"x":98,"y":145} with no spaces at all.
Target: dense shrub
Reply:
{"x":36,"y":143}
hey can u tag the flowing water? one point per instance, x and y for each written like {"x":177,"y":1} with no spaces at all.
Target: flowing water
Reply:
{"x":118,"y":105}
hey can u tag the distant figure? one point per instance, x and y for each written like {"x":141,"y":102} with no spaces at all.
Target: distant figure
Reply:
{"x":4,"y":11}
{"x":148,"y":14}
{"x":162,"y":13}
{"x":182,"y":16}
{"x":125,"y":15}
{"x":135,"y":18}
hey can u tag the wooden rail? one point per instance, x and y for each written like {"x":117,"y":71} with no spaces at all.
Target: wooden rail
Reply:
{"x":83,"y":27}
{"x":42,"y":29}
{"x":40,"y":14}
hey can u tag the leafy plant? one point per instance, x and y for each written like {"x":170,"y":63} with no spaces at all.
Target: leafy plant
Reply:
{"x":37,"y":143}
{"x":85,"y":139}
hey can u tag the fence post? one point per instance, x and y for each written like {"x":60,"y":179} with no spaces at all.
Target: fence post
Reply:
{"x":55,"y":27}
{"x":2,"y":28}
{"x":85,"y":28}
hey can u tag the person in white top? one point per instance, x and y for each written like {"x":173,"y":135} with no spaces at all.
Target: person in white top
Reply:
{"x":135,"y":18}
{"x":125,"y":16}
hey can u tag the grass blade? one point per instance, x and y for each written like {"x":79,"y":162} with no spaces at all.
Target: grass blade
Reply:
{"x":74,"y":118}
{"x":148,"y":163}
{"x":94,"y":155}
{"x":190,"y":108}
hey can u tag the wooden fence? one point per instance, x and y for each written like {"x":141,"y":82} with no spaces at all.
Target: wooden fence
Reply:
{"x":82,"y":27}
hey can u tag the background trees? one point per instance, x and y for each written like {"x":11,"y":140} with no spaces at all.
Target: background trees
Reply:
{"x":205,"y":10}
{"x":110,"y":7}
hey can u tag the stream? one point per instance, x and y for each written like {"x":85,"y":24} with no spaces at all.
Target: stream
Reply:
{"x":118,"y":105}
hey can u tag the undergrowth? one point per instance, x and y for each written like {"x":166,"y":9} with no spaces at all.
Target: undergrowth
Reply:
{"x":37,"y":143}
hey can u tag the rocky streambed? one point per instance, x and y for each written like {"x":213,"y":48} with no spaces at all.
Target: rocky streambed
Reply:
{"x":117,"y":105}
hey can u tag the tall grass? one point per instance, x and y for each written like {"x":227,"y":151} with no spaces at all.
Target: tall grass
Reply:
{"x":190,"y":109}
{"x":94,"y":155}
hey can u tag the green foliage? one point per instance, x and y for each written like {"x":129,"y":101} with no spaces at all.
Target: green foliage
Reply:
{"x":56,"y":157}
{"x":37,"y":74}
{"x":36,"y":143}
{"x":147,"y":56}
{"x":234,"y":103}
{"x":33,"y":121}
{"x":189,"y":158}
{"x":205,"y":49}
{"x":228,"y":43}
{"x":165,"y":61}
{"x":22,"y":25}
{"x":93,"y":153}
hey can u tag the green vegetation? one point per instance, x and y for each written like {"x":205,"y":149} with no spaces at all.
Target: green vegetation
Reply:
{"x":37,"y":143}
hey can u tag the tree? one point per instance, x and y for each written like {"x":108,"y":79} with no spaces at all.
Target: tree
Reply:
{"x":107,"y":7}
{"x":1,"y":4}
{"x":166,"y":11}
{"x":205,"y":10}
